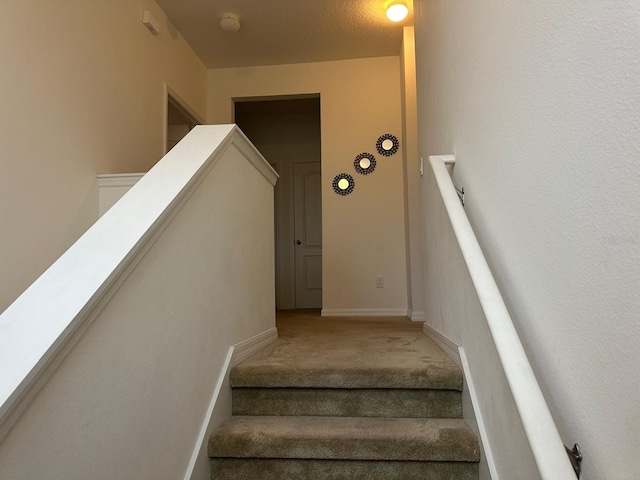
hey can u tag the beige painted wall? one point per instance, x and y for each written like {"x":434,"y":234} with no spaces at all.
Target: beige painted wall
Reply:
{"x":540,"y":103}
{"x":83,"y":93}
{"x":363,"y":233}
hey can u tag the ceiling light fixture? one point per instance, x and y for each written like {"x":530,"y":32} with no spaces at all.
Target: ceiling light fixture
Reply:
{"x":230,"y":22}
{"x":397,"y":11}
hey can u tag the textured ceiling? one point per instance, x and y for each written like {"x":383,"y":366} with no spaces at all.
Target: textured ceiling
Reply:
{"x":286,"y":31}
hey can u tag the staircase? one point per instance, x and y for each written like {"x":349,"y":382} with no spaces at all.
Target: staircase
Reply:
{"x":346,"y":399}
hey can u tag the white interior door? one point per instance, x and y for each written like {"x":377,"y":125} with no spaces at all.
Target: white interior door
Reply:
{"x":308,"y":234}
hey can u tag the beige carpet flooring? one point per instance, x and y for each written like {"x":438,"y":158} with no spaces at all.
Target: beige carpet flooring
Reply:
{"x":352,"y":352}
{"x":346,"y":399}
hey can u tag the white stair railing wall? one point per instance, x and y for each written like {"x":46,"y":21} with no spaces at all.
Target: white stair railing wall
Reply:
{"x":112,"y":361}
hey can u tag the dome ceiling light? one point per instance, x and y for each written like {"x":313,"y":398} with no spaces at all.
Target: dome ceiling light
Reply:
{"x":397,"y":11}
{"x":230,"y":22}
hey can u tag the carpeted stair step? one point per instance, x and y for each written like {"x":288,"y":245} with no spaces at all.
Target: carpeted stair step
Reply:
{"x":398,"y":374}
{"x":258,"y":372}
{"x":393,"y":447}
{"x":346,"y":438}
{"x":350,"y":353}
{"x":348,"y":402}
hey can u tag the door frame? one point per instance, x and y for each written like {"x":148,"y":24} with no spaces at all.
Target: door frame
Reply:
{"x":170,"y":95}
{"x":285,"y":287}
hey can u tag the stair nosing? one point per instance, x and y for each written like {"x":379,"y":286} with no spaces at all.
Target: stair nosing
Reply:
{"x":374,"y":439}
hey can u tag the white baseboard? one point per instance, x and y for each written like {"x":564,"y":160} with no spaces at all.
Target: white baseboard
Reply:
{"x":220,"y":404}
{"x":474,"y":418}
{"x":447,"y":345}
{"x":417,"y":316}
{"x":199,"y":457}
{"x":248,"y":347}
{"x":364,"y":312}
{"x":476,"y":422}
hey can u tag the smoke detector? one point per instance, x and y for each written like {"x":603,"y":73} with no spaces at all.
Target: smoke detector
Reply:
{"x":230,"y":22}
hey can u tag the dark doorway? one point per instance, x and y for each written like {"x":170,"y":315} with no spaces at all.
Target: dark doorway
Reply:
{"x":287,"y":133}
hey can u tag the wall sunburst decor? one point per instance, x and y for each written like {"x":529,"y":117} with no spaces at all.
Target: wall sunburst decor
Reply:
{"x":343,"y":184}
{"x":365,"y":163}
{"x":387,"y":144}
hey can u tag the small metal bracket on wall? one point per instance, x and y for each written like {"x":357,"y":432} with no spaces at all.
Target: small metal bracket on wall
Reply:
{"x":575,"y":456}
{"x":460,"y":192}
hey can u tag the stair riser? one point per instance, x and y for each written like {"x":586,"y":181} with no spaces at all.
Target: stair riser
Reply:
{"x":296,"y":469}
{"x":270,"y":376}
{"x":347,"y":402}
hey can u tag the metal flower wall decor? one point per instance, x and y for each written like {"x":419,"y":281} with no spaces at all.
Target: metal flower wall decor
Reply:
{"x":365,"y":163}
{"x":387,"y":144}
{"x":343,"y":184}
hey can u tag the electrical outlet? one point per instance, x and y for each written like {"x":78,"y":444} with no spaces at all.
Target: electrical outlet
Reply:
{"x":379,"y":282}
